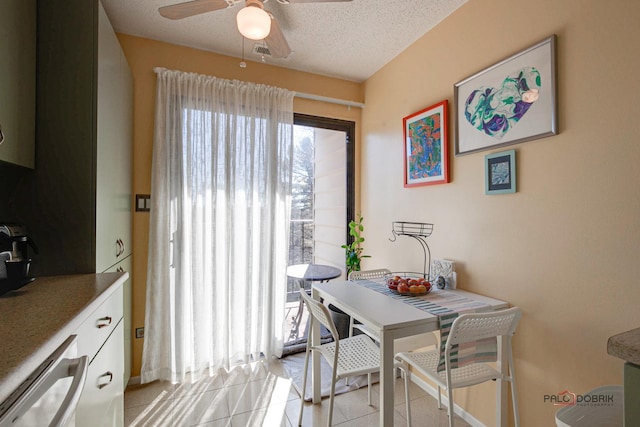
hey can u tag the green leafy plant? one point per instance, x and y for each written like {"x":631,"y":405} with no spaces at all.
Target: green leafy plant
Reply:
{"x":353,"y":250}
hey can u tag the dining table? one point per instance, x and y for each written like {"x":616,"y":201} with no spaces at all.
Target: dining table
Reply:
{"x":379,"y":309}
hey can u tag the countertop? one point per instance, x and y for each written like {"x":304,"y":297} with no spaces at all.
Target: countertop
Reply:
{"x":626,"y":346}
{"x":38,"y":317}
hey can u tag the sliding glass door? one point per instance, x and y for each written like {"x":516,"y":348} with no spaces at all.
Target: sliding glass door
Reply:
{"x":323,"y":198}
{"x":323,"y":190}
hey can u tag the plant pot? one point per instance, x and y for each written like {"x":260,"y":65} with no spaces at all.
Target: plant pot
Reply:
{"x":341,"y":320}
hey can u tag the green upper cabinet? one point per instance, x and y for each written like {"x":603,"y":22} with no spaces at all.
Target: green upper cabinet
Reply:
{"x":17,"y":81}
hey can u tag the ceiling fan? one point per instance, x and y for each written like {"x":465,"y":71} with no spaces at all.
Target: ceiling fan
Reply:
{"x":253,"y":21}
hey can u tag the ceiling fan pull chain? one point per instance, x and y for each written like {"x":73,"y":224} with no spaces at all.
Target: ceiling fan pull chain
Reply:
{"x":242,"y":63}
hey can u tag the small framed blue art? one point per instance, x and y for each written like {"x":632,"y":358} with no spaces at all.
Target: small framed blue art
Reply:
{"x":510,"y":102}
{"x":500,"y":172}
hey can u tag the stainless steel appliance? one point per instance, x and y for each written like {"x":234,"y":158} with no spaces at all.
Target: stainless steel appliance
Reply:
{"x":14,"y":257}
{"x":49,"y":396}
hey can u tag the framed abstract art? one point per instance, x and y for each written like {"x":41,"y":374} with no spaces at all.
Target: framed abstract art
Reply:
{"x":500,"y":172}
{"x":426,"y":150}
{"x":510,"y":102}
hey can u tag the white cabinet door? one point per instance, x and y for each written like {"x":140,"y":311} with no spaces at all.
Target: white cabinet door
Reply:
{"x":102,"y":401}
{"x":100,"y":324}
{"x":17,"y":81}
{"x":126,"y":265}
{"x":114,"y":149}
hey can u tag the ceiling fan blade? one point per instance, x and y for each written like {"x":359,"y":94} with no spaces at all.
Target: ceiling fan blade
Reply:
{"x":191,"y":8}
{"x":276,"y":42}
{"x":311,"y":1}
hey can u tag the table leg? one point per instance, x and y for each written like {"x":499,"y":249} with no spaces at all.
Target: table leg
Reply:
{"x":295,"y":322}
{"x":297,"y":319}
{"x":315,"y":361}
{"x":387,"y":378}
{"x":502,"y":412}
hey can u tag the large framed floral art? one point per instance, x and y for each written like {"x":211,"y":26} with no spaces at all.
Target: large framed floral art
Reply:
{"x":510,"y":102}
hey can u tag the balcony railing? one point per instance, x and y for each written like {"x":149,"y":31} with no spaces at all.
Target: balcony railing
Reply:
{"x":300,"y":250}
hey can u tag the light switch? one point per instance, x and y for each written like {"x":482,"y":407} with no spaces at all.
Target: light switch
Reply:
{"x":143,"y":202}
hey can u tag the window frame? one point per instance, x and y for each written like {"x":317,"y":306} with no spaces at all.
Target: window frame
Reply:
{"x":349,"y":128}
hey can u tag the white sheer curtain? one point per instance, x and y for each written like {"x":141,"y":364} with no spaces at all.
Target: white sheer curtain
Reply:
{"x":218,"y":237}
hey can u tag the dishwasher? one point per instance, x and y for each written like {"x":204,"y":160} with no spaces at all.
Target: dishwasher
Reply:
{"x":49,"y":396}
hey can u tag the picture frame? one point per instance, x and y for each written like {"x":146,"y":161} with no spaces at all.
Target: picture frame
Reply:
{"x":508,"y":103}
{"x":426,"y":146}
{"x":500,"y":172}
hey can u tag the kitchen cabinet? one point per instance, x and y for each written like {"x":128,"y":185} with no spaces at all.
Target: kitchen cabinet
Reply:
{"x":125,"y":266}
{"x":114,"y":138}
{"x":17,"y":81}
{"x":43,"y":314}
{"x":101,"y":338}
{"x":114,"y":167}
{"x":102,"y":400}
{"x":76,"y":203}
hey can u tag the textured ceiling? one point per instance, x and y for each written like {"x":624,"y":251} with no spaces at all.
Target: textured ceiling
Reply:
{"x":348,"y":40}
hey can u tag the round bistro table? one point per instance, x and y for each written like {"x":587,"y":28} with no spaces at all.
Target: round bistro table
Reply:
{"x":309,"y":273}
{"x":313,"y":272}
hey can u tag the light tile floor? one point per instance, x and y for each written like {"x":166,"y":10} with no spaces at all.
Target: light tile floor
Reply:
{"x":262,"y":394}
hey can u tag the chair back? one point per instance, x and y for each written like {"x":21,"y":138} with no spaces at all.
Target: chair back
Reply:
{"x":320,"y":313}
{"x":368,"y":274}
{"x":477,"y":326}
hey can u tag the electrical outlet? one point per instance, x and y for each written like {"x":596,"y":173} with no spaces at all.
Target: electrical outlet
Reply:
{"x":139,"y":332}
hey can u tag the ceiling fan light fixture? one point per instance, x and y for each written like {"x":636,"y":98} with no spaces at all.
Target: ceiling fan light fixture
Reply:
{"x":253,"y":22}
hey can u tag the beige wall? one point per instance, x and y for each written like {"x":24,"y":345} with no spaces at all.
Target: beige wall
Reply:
{"x":143,"y":55}
{"x":563,"y":248}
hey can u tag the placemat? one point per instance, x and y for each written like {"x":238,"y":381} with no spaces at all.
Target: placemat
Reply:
{"x":447,"y":306}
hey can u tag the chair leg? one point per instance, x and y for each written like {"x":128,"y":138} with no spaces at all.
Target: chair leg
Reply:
{"x":304,"y":385}
{"x":450,"y":392}
{"x":369,"y":388}
{"x":439,"y":398}
{"x":512,"y":380}
{"x":407,"y":399}
{"x":332,"y":395}
{"x":351,"y":322}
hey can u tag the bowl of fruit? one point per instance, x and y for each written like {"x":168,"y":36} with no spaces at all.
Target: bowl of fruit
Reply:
{"x":408,"y":283}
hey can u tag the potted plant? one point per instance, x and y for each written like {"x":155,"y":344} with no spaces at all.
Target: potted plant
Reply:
{"x":353,"y":257}
{"x":353,"y":250}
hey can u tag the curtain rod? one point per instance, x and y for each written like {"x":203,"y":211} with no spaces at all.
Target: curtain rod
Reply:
{"x":329,"y":99}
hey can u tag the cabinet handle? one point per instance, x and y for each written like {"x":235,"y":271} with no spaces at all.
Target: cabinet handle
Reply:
{"x":1,"y":135}
{"x":105,"y":375}
{"x":104,"y":322}
{"x":119,"y":247}
{"x":120,"y":270}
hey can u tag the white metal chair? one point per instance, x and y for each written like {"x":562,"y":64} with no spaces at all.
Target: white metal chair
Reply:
{"x":467,"y":328}
{"x":347,"y":357}
{"x":368,"y":274}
